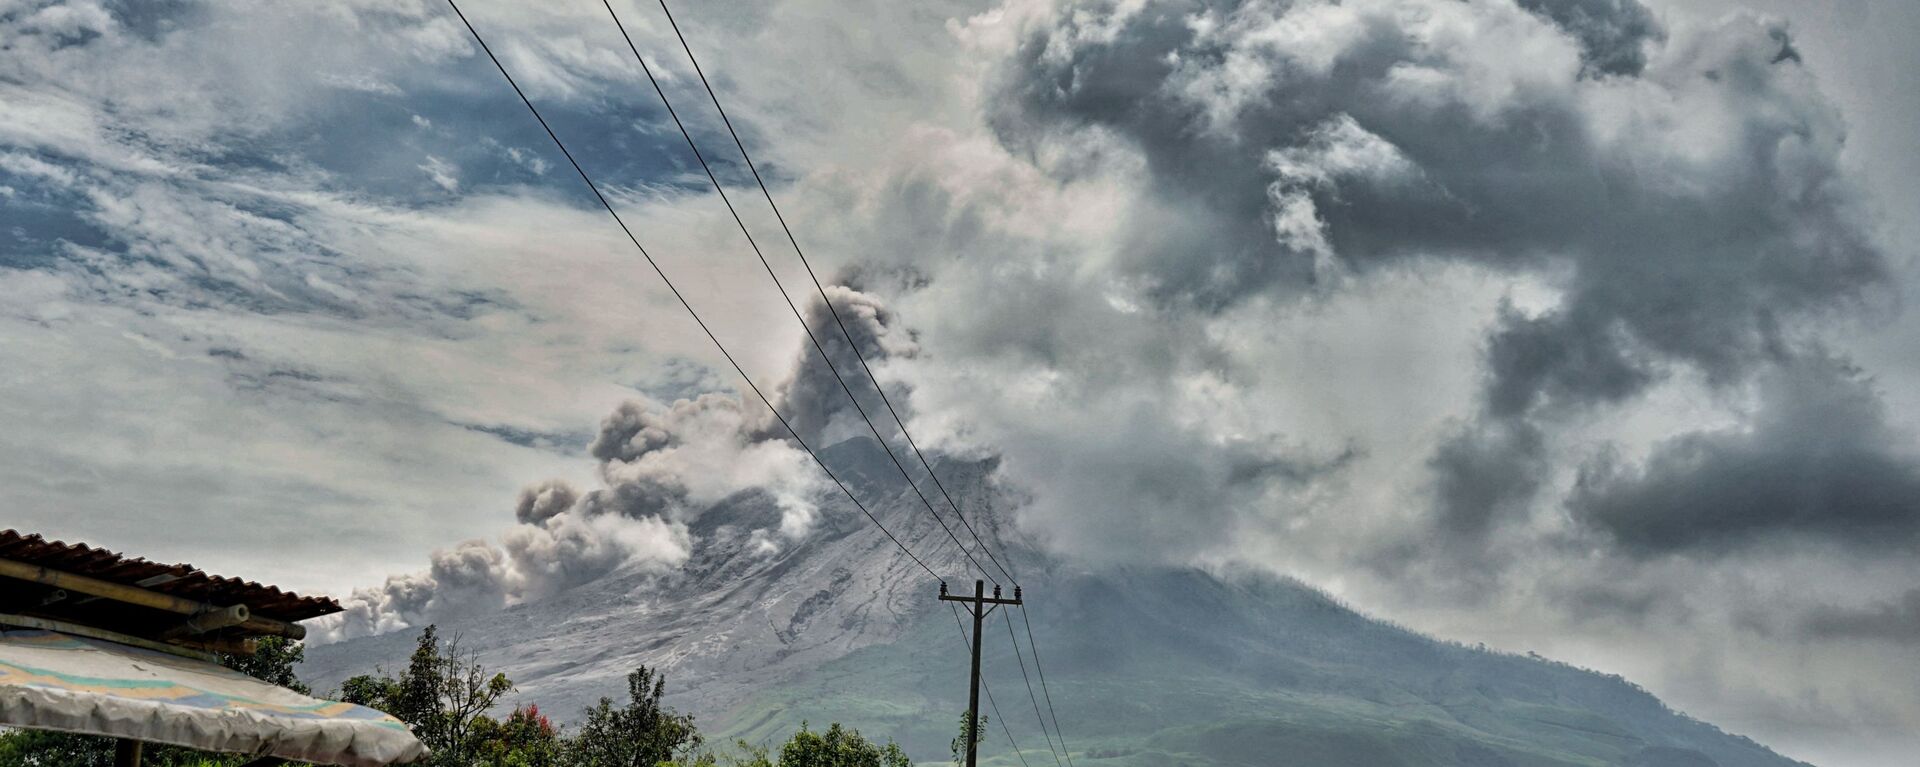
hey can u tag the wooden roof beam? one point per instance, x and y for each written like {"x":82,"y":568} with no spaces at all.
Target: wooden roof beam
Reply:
{"x":135,"y":595}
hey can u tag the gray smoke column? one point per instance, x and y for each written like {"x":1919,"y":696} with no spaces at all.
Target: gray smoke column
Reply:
{"x":532,"y":560}
{"x":815,"y":402}
{"x":661,"y":466}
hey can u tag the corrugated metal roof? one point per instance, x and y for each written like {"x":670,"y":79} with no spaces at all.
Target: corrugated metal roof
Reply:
{"x":181,"y":580}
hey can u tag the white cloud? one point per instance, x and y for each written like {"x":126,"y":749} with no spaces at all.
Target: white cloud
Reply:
{"x":443,"y":173}
{"x":256,"y":334}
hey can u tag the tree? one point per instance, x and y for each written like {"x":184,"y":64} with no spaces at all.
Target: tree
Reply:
{"x":43,"y":748}
{"x":416,"y":694}
{"x":838,"y":747}
{"x":525,"y":739}
{"x":755,"y":756}
{"x":443,"y":696}
{"x":371,"y":690}
{"x":974,"y":732}
{"x":466,"y":694}
{"x":642,"y":733}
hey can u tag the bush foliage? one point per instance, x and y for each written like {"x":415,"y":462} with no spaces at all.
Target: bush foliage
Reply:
{"x":446,"y":696}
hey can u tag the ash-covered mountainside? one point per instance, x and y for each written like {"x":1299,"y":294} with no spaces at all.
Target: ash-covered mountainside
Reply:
{"x":1147,"y":666}
{"x":731,"y":620}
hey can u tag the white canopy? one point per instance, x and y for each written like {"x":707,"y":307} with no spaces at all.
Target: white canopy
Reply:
{"x":54,"y":681}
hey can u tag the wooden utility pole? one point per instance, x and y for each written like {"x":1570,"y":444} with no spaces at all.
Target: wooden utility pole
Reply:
{"x":979,"y":605}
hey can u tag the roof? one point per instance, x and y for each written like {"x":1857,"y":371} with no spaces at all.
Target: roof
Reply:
{"x":180,"y":580}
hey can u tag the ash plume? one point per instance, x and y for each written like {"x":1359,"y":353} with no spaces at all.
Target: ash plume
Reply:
{"x":813,"y":396}
{"x":660,"y":466}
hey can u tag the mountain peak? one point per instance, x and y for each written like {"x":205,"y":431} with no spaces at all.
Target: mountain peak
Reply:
{"x":1153,"y":665}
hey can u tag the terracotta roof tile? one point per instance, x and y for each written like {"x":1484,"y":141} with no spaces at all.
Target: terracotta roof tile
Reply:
{"x":181,"y":580}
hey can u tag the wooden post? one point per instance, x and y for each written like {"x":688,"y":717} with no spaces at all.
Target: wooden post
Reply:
{"x":979,"y":605}
{"x":973,"y":690}
{"x":126,"y":753}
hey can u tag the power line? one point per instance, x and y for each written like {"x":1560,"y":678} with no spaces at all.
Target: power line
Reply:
{"x":967,"y":643}
{"x":822,"y":290}
{"x":676,"y":291}
{"x":1029,"y":680}
{"x":1034,"y":646}
{"x":686,"y":304}
{"x":1032,"y":643}
{"x":821,"y":348}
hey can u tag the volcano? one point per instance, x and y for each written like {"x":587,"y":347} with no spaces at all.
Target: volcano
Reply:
{"x":1146,"y":666}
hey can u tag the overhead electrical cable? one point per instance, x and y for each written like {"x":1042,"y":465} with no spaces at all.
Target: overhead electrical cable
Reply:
{"x":678,"y":295}
{"x":711,"y":336}
{"x":1034,"y":646}
{"x":797,"y":316}
{"x":1008,"y":615}
{"x":967,"y":643}
{"x":791,"y":239}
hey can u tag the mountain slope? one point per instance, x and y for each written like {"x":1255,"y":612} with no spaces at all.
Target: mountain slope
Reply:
{"x":1165,"y":667}
{"x":1147,"y":666}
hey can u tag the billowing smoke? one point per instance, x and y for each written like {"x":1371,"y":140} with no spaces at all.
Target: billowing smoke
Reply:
{"x":661,"y":466}
{"x":1466,"y":308}
{"x":815,"y":399}
{"x":684,"y":458}
{"x":532,"y":560}
{"x":544,"y":501}
{"x":1674,"y":195}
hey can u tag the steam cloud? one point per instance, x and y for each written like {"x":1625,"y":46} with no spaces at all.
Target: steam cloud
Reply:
{"x":1681,"y":191}
{"x":1678,"y":193}
{"x":1169,"y":285}
{"x":1165,"y":258}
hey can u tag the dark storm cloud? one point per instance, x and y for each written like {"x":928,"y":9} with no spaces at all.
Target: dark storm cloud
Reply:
{"x":1216,"y":183}
{"x":1613,"y":34}
{"x":1483,"y":471}
{"x":1683,"y":192}
{"x":1488,"y":470}
{"x":1691,"y":269}
{"x":1634,"y":605}
{"x":1558,"y":358}
{"x":1816,"y":460}
{"x":1897,"y":621}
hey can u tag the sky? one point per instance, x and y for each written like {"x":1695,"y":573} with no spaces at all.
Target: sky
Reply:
{"x":1577,"y":327}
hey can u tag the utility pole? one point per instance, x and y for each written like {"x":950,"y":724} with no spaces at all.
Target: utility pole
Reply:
{"x":126,"y":753}
{"x":979,"y":605}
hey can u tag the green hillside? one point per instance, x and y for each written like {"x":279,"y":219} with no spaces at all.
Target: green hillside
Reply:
{"x":1216,"y":674}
